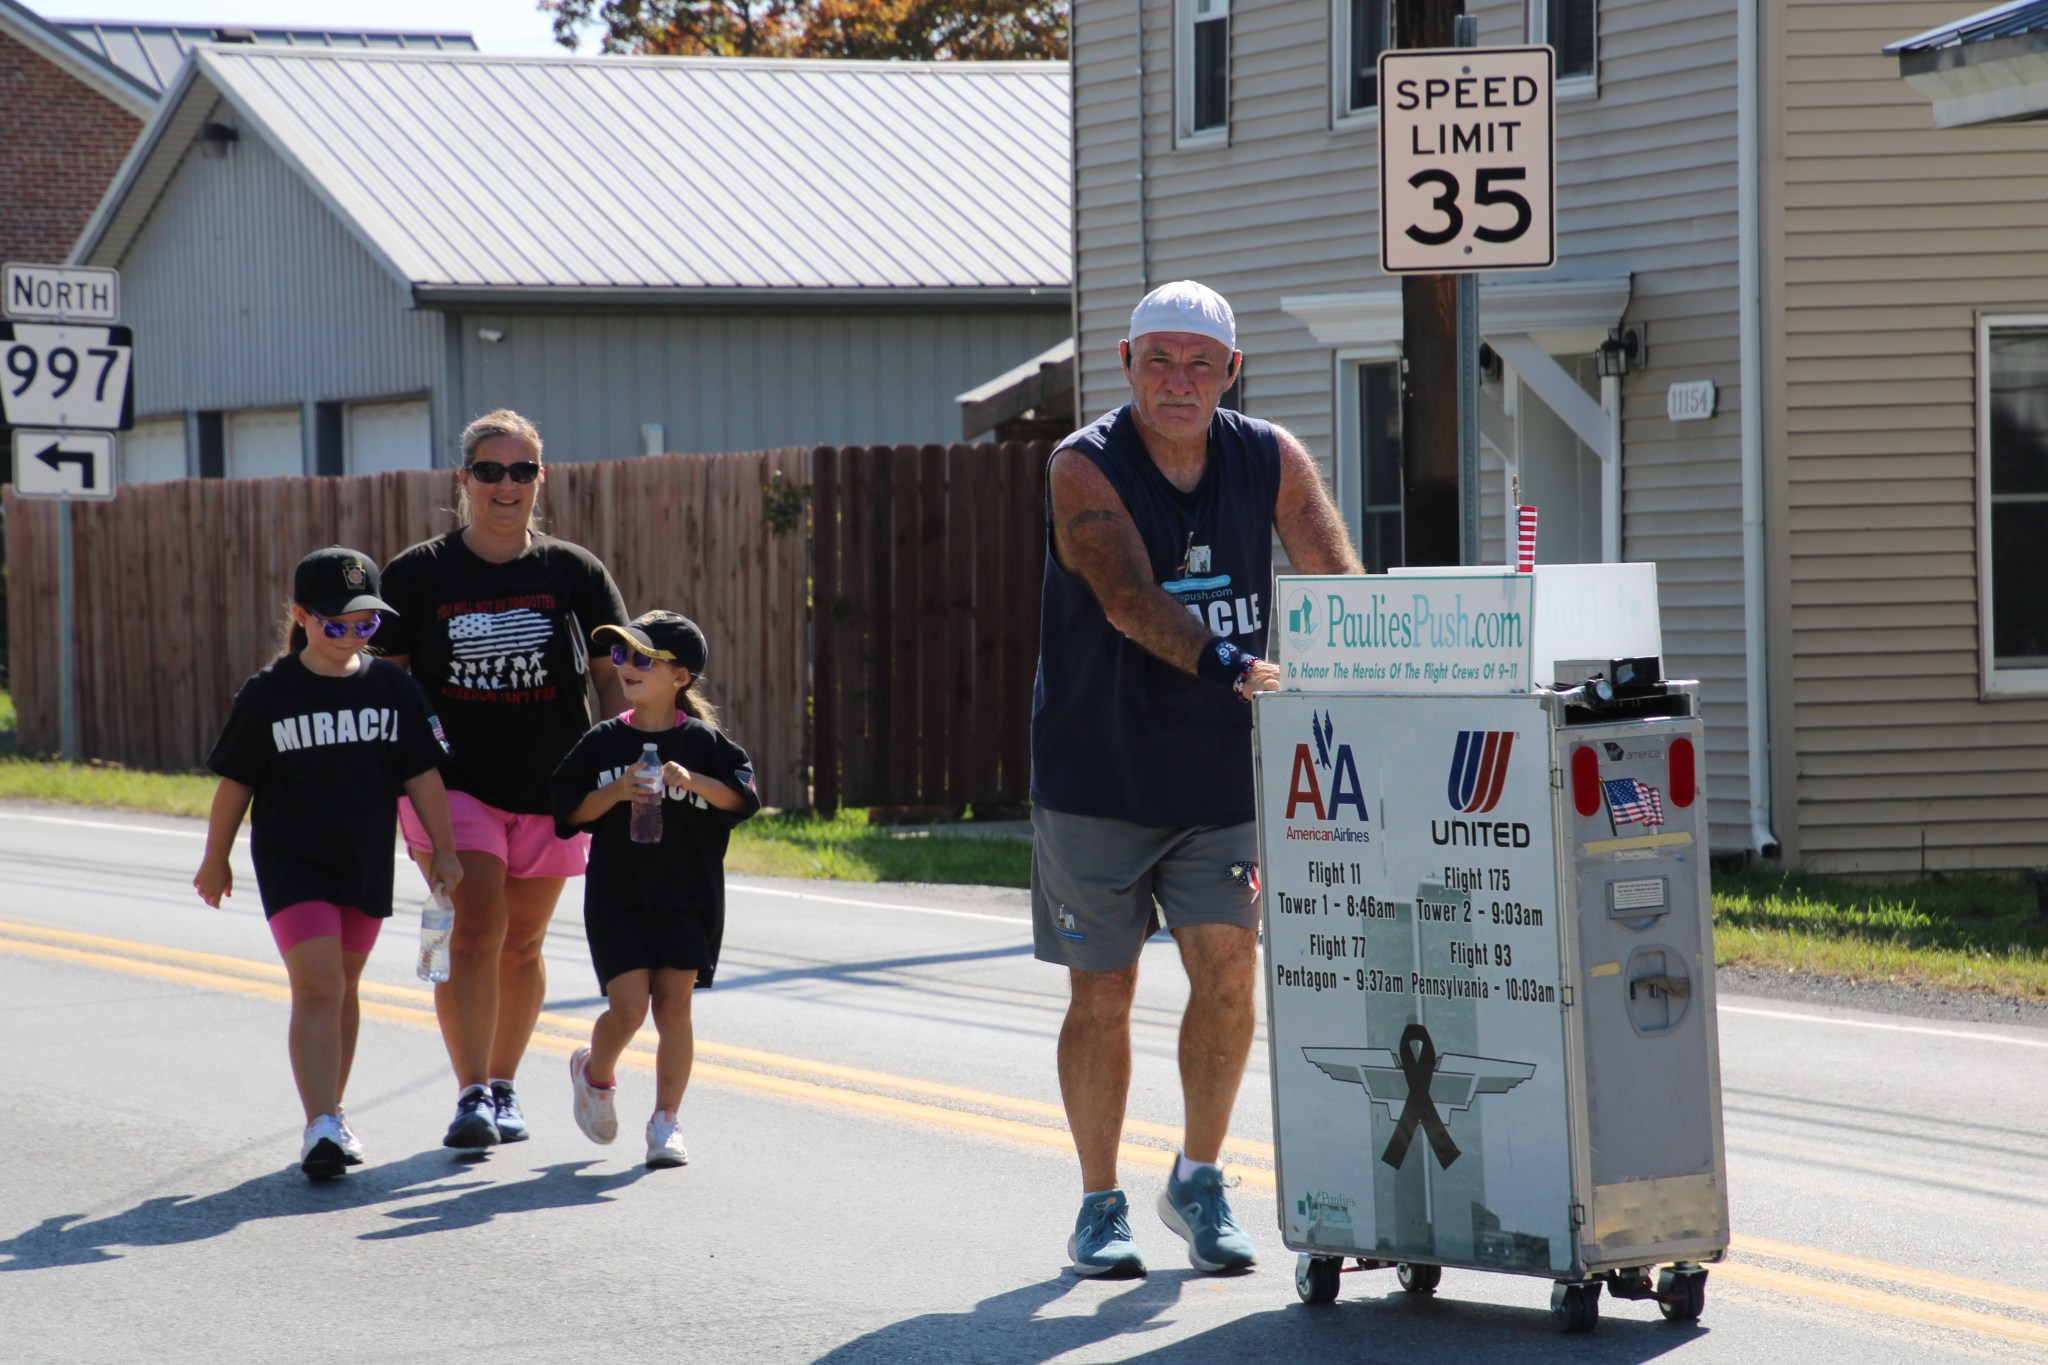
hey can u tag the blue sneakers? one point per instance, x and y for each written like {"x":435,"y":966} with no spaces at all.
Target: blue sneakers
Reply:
{"x":1101,"y":1246}
{"x":505,"y":1104}
{"x":476,"y":1120}
{"x":1197,"y":1210}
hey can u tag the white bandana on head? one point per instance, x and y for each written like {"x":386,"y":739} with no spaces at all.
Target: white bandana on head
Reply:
{"x":1185,"y":306}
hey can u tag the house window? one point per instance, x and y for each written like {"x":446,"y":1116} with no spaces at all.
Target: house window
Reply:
{"x":1378,"y":461}
{"x":1204,"y":71}
{"x":1363,"y":29}
{"x":2013,"y":515}
{"x":1568,"y":26}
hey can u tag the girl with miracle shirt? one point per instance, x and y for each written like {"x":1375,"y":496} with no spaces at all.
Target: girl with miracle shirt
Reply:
{"x":654,"y":913}
{"x":323,"y":741}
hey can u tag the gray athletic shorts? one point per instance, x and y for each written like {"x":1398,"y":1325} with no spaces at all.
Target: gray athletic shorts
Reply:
{"x":1098,"y":886}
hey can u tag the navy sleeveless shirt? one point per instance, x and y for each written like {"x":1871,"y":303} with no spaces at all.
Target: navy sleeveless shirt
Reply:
{"x":1114,"y":731}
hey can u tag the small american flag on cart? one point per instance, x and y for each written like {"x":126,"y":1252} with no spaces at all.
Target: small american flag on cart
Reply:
{"x":1633,"y":803}
{"x":1525,"y":539}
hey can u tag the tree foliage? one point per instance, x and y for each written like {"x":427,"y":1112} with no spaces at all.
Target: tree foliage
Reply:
{"x":905,"y":30}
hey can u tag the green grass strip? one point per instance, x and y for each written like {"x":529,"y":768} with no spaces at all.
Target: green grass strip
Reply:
{"x":1966,"y":932}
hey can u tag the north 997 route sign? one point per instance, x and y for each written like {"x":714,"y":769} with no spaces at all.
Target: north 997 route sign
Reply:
{"x":1468,"y":160}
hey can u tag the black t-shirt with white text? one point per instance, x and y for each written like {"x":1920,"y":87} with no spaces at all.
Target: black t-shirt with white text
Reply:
{"x":685,"y":872}
{"x":327,"y":759}
{"x":500,"y":657}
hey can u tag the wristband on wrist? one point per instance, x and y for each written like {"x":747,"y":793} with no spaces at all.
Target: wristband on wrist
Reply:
{"x":1224,"y":664}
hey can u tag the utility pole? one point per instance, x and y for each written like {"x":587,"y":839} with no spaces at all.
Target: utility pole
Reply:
{"x":1431,"y":518}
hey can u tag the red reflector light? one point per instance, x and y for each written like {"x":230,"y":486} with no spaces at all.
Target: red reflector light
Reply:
{"x":1684,"y":781}
{"x":1585,"y":780}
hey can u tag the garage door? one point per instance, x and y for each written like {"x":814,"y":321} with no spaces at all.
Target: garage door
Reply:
{"x":154,"y":451}
{"x":264,"y":445}
{"x":385,"y":436}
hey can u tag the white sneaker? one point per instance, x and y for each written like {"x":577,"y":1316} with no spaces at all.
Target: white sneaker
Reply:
{"x":594,"y":1113}
{"x":321,"y":1154}
{"x":664,"y":1143}
{"x":351,"y":1145}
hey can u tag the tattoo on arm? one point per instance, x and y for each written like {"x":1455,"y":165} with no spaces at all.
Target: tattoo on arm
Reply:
{"x":1080,"y":519}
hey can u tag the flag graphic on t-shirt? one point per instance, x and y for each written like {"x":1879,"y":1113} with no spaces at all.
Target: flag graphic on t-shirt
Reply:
{"x":498,"y":649}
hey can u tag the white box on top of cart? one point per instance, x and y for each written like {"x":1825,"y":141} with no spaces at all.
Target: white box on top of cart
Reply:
{"x":1460,"y":631}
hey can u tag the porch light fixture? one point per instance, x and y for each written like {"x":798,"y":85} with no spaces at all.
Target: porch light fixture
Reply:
{"x":1624,"y":350}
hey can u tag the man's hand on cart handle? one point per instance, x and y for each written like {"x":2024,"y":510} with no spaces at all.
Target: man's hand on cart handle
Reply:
{"x":1259,"y":676}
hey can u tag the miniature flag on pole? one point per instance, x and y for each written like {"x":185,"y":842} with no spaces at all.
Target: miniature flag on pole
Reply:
{"x":1634,"y":803}
{"x":1525,"y":540}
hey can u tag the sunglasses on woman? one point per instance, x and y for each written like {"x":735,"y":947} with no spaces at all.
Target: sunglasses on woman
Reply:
{"x":621,"y":656}
{"x":491,"y":471}
{"x":334,"y":630}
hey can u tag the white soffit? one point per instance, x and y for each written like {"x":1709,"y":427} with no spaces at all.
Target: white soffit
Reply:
{"x":1565,"y":310}
{"x":2008,"y":90}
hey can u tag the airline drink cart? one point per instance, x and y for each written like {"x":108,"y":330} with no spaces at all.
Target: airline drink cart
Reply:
{"x":1489,"y":950}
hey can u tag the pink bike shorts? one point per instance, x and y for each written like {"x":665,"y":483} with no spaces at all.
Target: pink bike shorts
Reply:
{"x":526,"y":844}
{"x":295,"y":924}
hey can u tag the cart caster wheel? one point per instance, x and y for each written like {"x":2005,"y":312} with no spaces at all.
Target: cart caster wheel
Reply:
{"x":1315,"y":1277}
{"x":1419,"y":1279}
{"x":1575,"y":1307}
{"x":1689,"y":1280}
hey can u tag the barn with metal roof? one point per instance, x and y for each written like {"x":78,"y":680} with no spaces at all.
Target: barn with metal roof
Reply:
{"x":332,"y":259}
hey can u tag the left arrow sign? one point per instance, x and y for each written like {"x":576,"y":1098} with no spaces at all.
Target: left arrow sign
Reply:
{"x":63,"y":464}
{"x":57,"y":455}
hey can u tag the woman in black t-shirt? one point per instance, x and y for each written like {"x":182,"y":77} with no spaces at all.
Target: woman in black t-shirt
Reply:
{"x":322,"y":741}
{"x":492,"y":622}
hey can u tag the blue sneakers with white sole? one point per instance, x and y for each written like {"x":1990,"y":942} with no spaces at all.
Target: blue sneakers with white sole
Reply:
{"x":1101,"y":1247}
{"x":1197,"y":1210}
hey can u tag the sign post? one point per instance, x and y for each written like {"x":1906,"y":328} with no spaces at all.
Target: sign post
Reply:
{"x":66,"y":385}
{"x":1467,"y":183}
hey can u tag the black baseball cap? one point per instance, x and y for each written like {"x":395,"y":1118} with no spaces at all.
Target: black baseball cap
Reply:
{"x":337,"y":580}
{"x":663,"y":635}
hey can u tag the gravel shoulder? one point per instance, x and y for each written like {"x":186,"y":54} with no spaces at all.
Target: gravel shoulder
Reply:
{"x":1878,"y":997}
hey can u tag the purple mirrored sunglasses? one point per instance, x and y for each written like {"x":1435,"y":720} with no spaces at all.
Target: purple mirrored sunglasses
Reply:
{"x":334,"y":630}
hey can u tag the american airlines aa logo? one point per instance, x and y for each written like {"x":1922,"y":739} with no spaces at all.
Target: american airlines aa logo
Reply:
{"x":1478,"y":768}
{"x":1324,"y":798}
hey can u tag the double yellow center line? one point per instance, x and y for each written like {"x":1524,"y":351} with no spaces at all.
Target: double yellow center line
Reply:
{"x":1759,"y":1264}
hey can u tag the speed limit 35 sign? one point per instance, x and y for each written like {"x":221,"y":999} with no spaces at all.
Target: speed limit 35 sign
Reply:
{"x":1468,"y":160}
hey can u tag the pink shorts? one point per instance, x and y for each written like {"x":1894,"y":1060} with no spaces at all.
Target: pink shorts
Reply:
{"x":526,"y":844}
{"x":295,"y":924}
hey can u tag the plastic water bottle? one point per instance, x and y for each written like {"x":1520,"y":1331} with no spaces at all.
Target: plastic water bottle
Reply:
{"x":646,"y":826}
{"x":437,"y":921}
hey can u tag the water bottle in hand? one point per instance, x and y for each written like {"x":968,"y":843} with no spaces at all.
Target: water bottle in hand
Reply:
{"x":646,"y":826}
{"x":437,"y":921}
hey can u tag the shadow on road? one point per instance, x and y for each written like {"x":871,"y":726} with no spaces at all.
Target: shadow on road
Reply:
{"x":170,"y":1220}
{"x":562,"y":1186}
{"x":1041,"y":1322}
{"x":1026,"y":1324}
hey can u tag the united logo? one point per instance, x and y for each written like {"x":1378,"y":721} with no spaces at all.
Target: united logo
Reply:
{"x":1479,"y":766}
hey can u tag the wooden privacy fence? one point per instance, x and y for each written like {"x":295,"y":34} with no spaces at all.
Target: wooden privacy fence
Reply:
{"x":180,"y":590}
{"x":913,"y":688}
{"x":927,"y":563}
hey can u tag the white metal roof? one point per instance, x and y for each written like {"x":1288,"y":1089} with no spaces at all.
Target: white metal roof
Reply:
{"x":54,"y":44}
{"x":485,"y":177}
{"x":152,"y":53}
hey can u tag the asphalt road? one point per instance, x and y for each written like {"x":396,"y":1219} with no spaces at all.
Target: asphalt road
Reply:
{"x":878,"y":1169}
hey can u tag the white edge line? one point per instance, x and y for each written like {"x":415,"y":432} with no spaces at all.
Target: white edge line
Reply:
{"x":1957,"y":1034}
{"x":1012,"y":920}
{"x":737,"y":886}
{"x":109,"y":824}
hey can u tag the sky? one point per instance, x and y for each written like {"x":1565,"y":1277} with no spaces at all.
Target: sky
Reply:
{"x":503,"y":26}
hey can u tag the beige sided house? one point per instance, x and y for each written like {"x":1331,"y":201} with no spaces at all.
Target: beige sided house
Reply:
{"x":1235,"y":141}
{"x":1906,"y":288}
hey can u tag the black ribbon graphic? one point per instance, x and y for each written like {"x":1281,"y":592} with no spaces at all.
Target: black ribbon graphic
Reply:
{"x":1418,"y":1067}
